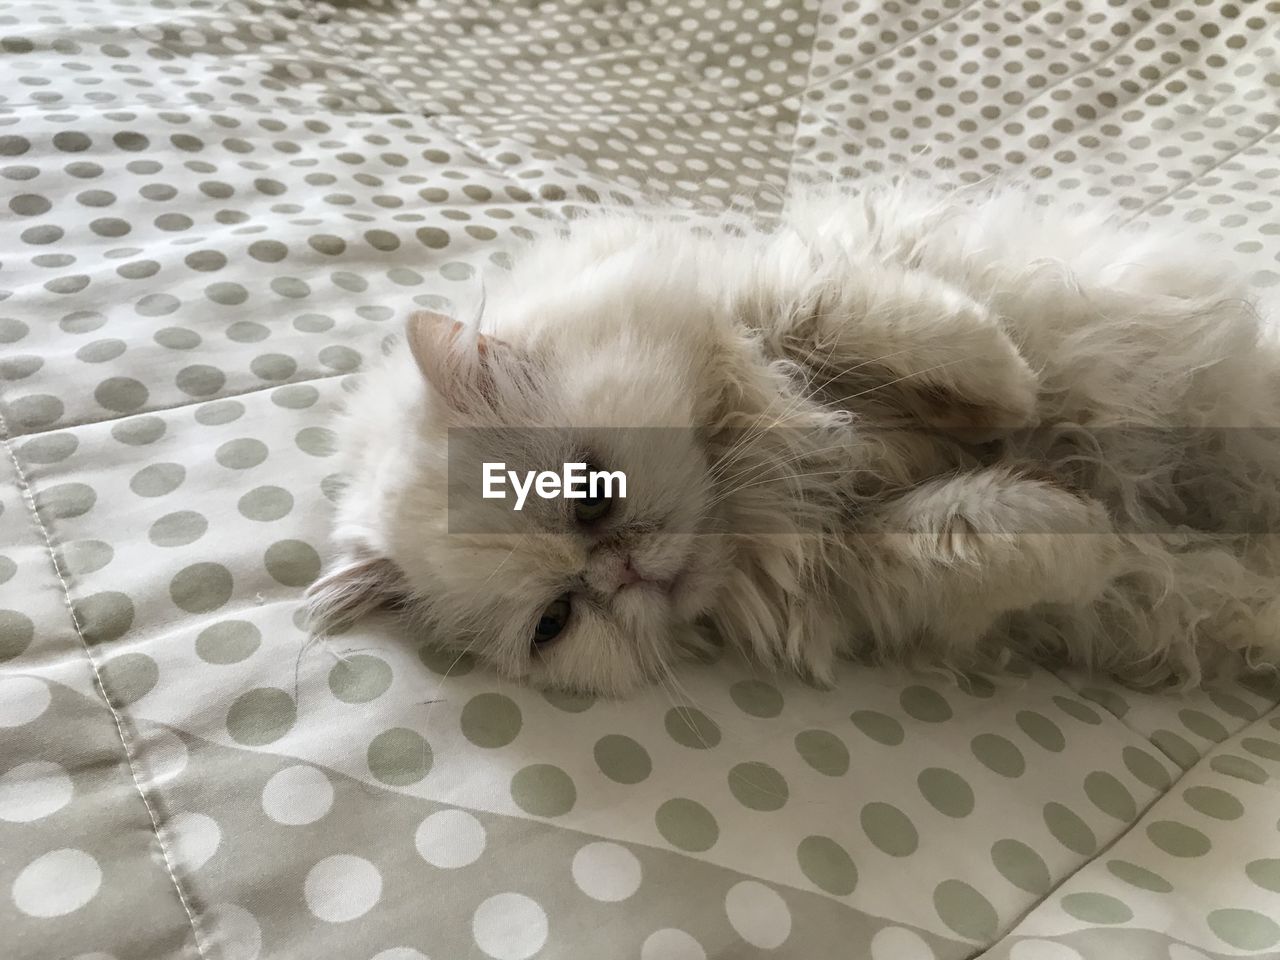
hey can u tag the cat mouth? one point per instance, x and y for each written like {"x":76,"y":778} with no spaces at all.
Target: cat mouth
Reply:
{"x":660,"y":586}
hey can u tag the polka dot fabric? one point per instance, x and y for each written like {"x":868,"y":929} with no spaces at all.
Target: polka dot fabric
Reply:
{"x":215,"y":215}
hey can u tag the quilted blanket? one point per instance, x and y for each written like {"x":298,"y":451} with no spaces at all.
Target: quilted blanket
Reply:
{"x":213,"y":214}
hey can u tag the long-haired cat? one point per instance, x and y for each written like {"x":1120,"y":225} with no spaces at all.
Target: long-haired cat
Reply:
{"x":901,"y":425}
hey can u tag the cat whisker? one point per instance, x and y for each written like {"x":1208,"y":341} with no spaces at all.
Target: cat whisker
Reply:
{"x":444,"y":679}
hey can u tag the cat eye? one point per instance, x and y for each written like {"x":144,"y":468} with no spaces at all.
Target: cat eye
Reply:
{"x":553,"y":621}
{"x":591,"y":508}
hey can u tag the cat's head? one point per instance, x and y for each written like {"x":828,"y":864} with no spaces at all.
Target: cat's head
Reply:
{"x":597,"y":594}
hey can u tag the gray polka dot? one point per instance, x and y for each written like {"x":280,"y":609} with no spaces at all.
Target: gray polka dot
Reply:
{"x":1213,"y":802}
{"x":1244,"y":929}
{"x":827,"y":865}
{"x":178,"y":529}
{"x":757,"y":698}
{"x":446,"y":663}
{"x":64,"y":501}
{"x":341,"y":359}
{"x":138,"y":431}
{"x":201,"y":587}
{"x":129,"y":677}
{"x":51,"y":448}
{"x":16,"y":633}
{"x":101,"y":351}
{"x":490,"y":720}
{"x":1096,"y":908}
{"x":889,"y":829}
{"x":218,"y":412}
{"x":247,"y":331}
{"x":205,"y":261}
{"x":690,"y":727}
{"x":1069,"y":830}
{"x":268,"y":251}
{"x":81,"y":557}
{"x":998,"y":755}
{"x":327,"y":244}
{"x":351,"y":282}
{"x":1176,"y":839}
{"x":82,"y":321}
{"x":1238,"y":767}
{"x":291,"y":287}
{"x":946,"y":791}
{"x":121,"y":394}
{"x":292,"y":563}
{"x":1042,"y":730}
{"x":34,"y":411}
{"x":432,"y":237}
{"x":158,"y":479}
{"x":1176,"y":748}
{"x":29,"y":205}
{"x":266,"y":503}
{"x":879,"y":727}
{"x":104,"y":617}
{"x":273,"y":366}
{"x":1139,"y":877}
{"x":226,"y":294}
{"x":925,"y":704}
{"x":567,"y":701}
{"x":1265,"y":873}
{"x":359,"y":678}
{"x":260,"y":716}
{"x":19,"y":368}
{"x":241,"y":454}
{"x":177,"y":338}
{"x":317,"y":441}
{"x":313,"y":323}
{"x":622,"y":759}
{"x":823,"y":751}
{"x":687,"y":825}
{"x":1021,"y":866}
{"x":157,"y":305}
{"x":399,"y":756}
{"x":12,"y":330}
{"x":200,"y":380}
{"x":965,"y":911}
{"x":758,"y":786}
{"x":1146,"y":768}
{"x":228,"y":641}
{"x":1110,"y":796}
{"x":297,"y":396}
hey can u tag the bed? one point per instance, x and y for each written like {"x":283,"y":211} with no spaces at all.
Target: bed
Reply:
{"x":215,"y":213}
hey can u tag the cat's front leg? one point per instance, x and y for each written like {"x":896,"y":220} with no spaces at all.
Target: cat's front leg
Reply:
{"x":943,"y":562}
{"x":900,"y":343}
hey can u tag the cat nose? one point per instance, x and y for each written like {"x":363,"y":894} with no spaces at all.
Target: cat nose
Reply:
{"x":628,"y":574}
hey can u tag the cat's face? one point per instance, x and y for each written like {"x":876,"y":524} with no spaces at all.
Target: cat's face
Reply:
{"x":594,"y":595}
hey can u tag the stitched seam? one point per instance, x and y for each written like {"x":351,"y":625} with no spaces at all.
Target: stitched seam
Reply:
{"x":1099,"y":854}
{"x":28,"y":496}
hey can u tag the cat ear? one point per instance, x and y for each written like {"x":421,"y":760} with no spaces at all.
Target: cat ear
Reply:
{"x":352,"y":587}
{"x":458,"y":362}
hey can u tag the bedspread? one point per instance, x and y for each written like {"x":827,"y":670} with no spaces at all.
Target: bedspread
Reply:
{"x":215,"y":212}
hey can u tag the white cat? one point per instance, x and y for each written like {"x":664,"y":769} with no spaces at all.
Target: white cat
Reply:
{"x":899,"y":426}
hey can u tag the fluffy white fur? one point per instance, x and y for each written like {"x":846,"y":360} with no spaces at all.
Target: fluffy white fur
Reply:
{"x":813,"y":498}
